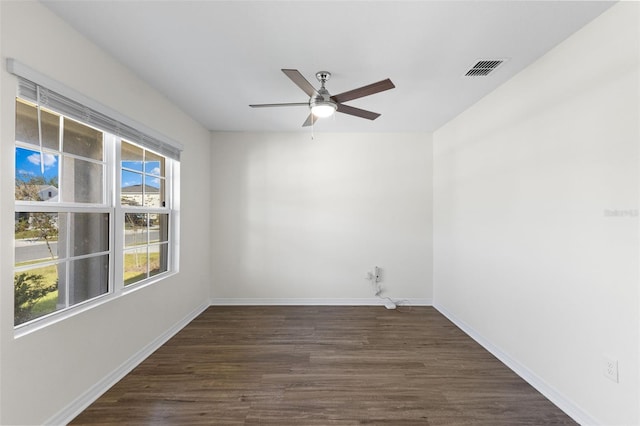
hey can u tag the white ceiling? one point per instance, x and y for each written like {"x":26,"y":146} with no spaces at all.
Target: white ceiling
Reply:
{"x":214,"y":58}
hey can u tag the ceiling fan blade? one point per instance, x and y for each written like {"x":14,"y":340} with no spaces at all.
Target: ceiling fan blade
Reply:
{"x":310,"y":120}
{"x":300,"y":81}
{"x":346,"y":109}
{"x":280,"y":105}
{"x":370,"y":89}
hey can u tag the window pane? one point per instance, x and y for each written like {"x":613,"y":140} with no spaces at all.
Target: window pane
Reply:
{"x":131,"y":156}
{"x":131,"y":189}
{"x":82,"y":181}
{"x":35,"y":293}
{"x":90,"y":233}
{"x":158,"y":259}
{"x":154,"y":164}
{"x":27,"y":126}
{"x":88,"y":278}
{"x":135,"y":229}
{"x":135,"y":265}
{"x":36,"y":236}
{"x":158,"y":227}
{"x":154,"y":191}
{"x":82,"y":140}
{"x":31,"y":184}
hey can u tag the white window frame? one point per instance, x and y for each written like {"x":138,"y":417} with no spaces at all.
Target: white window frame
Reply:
{"x":121,"y":210}
{"x":111,"y":202}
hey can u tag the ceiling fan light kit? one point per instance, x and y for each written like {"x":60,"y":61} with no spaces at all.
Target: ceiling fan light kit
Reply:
{"x":323,"y":109}
{"x":322,"y":104}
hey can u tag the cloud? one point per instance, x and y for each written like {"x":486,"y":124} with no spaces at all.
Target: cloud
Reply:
{"x":49,"y":159}
{"x":25,"y":172}
{"x":155,"y":171}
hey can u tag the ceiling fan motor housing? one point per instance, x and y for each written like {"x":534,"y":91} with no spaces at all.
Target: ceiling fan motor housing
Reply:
{"x":321,"y":103}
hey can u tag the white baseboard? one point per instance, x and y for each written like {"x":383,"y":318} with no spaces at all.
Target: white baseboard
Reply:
{"x":68,"y":413}
{"x":316,"y":302}
{"x":569,"y":407}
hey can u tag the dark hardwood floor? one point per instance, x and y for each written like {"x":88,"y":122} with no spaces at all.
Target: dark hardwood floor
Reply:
{"x":308,"y":365}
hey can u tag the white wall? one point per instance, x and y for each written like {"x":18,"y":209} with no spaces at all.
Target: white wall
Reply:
{"x":45,"y":372}
{"x":527,"y":254}
{"x":298,"y":220}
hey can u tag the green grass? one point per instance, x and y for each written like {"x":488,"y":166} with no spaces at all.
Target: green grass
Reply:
{"x":32,"y":234}
{"x":33,"y":262}
{"x":29,"y":233}
{"x":45,"y":305}
{"x":49,"y":273}
{"x":136,"y":271}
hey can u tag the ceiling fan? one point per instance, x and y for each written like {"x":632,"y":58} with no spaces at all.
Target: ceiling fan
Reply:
{"x":323,"y":104}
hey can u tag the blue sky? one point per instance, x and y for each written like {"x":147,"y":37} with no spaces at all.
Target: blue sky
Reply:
{"x":130,"y":178}
{"x":28,"y":163}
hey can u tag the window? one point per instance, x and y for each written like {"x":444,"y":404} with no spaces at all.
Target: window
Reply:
{"x":143,"y":201}
{"x":93,"y":213}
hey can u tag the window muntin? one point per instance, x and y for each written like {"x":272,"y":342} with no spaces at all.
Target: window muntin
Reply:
{"x":27,"y":125}
{"x":146,"y":244}
{"x":65,"y":221}
{"x":70,"y":167}
{"x":54,"y":255}
{"x":145,"y":223}
{"x":142,"y":177}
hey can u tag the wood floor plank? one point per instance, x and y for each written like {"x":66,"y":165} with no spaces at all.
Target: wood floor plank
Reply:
{"x":321,"y":365}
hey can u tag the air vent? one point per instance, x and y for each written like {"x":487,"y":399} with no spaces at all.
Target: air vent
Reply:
{"x":484,"y":67}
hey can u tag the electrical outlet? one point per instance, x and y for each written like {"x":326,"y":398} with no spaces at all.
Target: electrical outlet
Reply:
{"x":610,"y":368}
